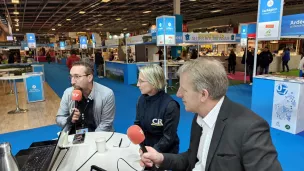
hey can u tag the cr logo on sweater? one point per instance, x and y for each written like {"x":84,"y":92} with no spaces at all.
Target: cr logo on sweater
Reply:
{"x":157,"y":122}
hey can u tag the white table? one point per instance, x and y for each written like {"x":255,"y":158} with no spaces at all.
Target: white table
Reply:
{"x":14,"y":78}
{"x":78,"y":154}
{"x":8,"y":70}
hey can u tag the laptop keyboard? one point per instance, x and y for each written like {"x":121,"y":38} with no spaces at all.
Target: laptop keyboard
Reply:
{"x":37,"y":159}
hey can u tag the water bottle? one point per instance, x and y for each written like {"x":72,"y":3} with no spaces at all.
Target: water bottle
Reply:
{"x":7,"y":160}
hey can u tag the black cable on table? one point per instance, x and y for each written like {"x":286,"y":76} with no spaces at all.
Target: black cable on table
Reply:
{"x":126,"y":162}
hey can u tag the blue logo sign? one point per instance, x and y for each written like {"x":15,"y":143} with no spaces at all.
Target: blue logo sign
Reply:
{"x":34,"y":88}
{"x":282,"y":89}
{"x":83,"y":42}
{"x":270,"y":10}
{"x":166,"y":30}
{"x":244,"y":30}
{"x":93,"y":38}
{"x":62,"y":45}
{"x":293,"y":25}
{"x":31,"y":40}
{"x":187,"y":37}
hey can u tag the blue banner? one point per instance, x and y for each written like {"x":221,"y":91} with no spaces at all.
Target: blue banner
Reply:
{"x":244,"y":34}
{"x":38,"y":69}
{"x":34,"y":88}
{"x":31,"y":40}
{"x":166,"y":30}
{"x":83,"y":42}
{"x":269,"y":19}
{"x":293,"y":25}
{"x":62,"y":45}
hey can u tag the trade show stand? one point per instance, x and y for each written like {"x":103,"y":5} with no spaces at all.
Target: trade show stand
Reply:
{"x":276,"y":65}
{"x":282,"y":99}
{"x":124,"y":72}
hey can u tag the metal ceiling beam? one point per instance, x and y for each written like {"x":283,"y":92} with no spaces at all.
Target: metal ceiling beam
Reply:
{"x":45,"y":4}
{"x":23,"y":14}
{"x":55,"y":13}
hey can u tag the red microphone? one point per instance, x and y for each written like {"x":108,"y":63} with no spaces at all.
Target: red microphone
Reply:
{"x":137,"y":136}
{"x":76,"y":96}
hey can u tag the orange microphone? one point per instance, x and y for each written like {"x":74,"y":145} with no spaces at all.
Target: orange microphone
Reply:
{"x":76,"y":96}
{"x":137,"y":136}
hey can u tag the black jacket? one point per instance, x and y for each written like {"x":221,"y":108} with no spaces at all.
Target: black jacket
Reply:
{"x":158,"y":116}
{"x":265,"y":58}
{"x":241,"y":141}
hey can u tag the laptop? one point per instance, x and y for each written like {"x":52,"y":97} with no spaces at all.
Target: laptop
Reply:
{"x":43,"y":156}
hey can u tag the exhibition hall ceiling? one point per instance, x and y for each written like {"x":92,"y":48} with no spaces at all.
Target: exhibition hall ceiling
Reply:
{"x":115,"y":16}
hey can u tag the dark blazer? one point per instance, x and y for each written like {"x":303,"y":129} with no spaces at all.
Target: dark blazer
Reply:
{"x":241,"y":142}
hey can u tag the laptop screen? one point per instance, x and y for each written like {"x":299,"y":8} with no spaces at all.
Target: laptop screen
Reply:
{"x":58,"y":149}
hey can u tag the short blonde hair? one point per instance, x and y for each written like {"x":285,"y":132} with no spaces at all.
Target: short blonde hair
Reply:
{"x":154,"y":75}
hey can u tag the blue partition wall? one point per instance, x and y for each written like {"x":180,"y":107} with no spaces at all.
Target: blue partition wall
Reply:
{"x":126,"y":73}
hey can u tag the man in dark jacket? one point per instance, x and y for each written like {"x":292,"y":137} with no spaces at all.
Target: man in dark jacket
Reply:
{"x":225,"y":136}
{"x":265,"y":59}
{"x":98,"y":63}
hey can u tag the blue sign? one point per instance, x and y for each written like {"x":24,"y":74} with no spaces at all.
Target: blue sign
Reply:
{"x":282,"y":89}
{"x":83,"y":42}
{"x":31,"y":40}
{"x":244,"y":31}
{"x":293,"y":25}
{"x":62,"y":45}
{"x":270,"y":10}
{"x":269,"y":19}
{"x":166,"y":30}
{"x":23,"y":45}
{"x":34,"y":88}
{"x":179,"y":37}
{"x":38,"y":69}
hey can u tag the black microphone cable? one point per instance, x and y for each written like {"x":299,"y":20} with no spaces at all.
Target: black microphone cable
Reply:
{"x":125,"y":162}
{"x":93,"y":154}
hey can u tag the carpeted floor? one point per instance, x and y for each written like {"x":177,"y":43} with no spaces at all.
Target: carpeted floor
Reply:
{"x":290,"y":147}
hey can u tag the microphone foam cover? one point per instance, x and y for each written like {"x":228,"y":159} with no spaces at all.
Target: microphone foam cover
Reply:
{"x":135,"y":134}
{"x":76,"y":95}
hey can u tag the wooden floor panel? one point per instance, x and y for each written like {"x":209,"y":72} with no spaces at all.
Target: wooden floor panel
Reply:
{"x":39,"y":114}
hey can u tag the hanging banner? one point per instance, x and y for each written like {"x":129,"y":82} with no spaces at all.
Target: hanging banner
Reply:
{"x":62,"y":45}
{"x":93,"y":40}
{"x":208,"y":37}
{"x":244,"y":34}
{"x":166,"y":30}
{"x":286,"y":109}
{"x":31,"y":40}
{"x":293,"y":25}
{"x":269,"y":19}
{"x":112,"y":42}
{"x":83,"y":42}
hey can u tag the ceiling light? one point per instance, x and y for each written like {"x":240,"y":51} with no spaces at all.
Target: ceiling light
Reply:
{"x":53,"y":29}
{"x":215,"y":11}
{"x":17,"y":25}
{"x":68,"y":19}
{"x":16,"y":19}
{"x":118,"y":19}
{"x":59,"y":25}
{"x":16,"y":12}
{"x":125,"y":29}
{"x":100,"y":24}
{"x":146,"y":12}
{"x":88,"y":28}
{"x":192,"y":0}
{"x":81,"y":12}
{"x":105,"y":0}
{"x":17,"y":29}
{"x":144,"y":24}
{"x":15,"y":1}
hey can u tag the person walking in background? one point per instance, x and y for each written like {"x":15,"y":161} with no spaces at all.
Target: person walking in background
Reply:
{"x":285,"y":59}
{"x":73,"y":58}
{"x":231,"y":62}
{"x":250,"y":64}
{"x":265,"y":59}
{"x":48,"y":57}
{"x":99,"y":64}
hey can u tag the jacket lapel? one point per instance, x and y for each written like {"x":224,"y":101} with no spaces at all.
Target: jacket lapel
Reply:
{"x":218,"y":130}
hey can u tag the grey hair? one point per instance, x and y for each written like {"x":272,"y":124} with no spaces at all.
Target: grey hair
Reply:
{"x":154,"y":75}
{"x":207,"y":73}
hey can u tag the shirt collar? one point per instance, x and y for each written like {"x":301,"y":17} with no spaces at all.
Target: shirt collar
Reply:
{"x":211,"y":117}
{"x":92,"y":94}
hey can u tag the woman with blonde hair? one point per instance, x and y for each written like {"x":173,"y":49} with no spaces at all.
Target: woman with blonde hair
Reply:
{"x":157,"y":113}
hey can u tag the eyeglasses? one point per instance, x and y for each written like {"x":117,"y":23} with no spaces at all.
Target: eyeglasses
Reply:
{"x":76,"y":77}
{"x":141,"y":81}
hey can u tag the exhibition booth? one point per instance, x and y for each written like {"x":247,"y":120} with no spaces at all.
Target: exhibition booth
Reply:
{"x":282,"y":96}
